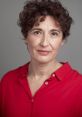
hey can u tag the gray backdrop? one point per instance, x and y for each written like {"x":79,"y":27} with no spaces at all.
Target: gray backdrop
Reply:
{"x":13,"y":52}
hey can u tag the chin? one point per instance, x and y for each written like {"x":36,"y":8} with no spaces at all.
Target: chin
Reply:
{"x":43,"y":60}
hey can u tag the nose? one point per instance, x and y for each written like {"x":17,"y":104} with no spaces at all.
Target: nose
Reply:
{"x":44,"y":41}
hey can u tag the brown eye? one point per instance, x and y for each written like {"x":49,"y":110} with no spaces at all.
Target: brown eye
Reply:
{"x":54,"y":34}
{"x":36,"y":32}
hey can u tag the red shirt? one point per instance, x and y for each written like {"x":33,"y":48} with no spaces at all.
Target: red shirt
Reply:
{"x":59,"y":96}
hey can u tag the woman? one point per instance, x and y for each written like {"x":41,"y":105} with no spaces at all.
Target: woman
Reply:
{"x":44,"y":86}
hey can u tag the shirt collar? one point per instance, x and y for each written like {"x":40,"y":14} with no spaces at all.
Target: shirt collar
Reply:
{"x":60,"y":73}
{"x":63,"y":71}
{"x":23,"y":71}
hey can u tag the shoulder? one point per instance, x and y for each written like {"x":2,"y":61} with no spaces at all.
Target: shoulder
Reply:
{"x":75,"y":78}
{"x":68,"y":72}
{"x":14,"y":73}
{"x":76,"y":74}
{"x":71,"y":71}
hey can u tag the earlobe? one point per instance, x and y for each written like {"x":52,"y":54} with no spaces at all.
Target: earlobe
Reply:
{"x":26,"y":42}
{"x":62,"y":43}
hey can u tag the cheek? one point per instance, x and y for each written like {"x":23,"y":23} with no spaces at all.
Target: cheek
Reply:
{"x":33,"y":42}
{"x":56,"y":45}
{"x":32,"y":45}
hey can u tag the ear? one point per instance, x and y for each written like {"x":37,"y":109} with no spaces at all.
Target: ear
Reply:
{"x":26,"y":42}
{"x":62,"y":43}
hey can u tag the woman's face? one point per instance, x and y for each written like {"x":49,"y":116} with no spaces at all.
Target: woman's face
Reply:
{"x":44,"y":40}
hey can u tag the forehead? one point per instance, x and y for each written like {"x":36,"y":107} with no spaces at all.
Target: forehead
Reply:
{"x":47,"y":21}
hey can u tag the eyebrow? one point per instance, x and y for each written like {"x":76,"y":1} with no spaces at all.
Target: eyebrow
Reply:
{"x":36,"y":29}
{"x":56,"y":30}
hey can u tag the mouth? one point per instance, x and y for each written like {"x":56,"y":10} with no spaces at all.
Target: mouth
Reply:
{"x":43,"y":52}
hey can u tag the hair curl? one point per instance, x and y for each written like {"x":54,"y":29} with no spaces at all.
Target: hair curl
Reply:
{"x":34,"y":9}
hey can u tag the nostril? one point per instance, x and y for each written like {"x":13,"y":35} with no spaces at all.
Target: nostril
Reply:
{"x":44,"y":42}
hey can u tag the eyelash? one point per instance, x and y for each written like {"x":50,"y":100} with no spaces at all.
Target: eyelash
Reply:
{"x":54,"y":33}
{"x":39,"y":32}
{"x":36,"y":32}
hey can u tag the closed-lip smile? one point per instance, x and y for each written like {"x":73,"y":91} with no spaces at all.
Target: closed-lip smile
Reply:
{"x":43,"y":52}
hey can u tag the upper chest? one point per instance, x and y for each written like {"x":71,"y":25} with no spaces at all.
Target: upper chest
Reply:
{"x":52,"y":98}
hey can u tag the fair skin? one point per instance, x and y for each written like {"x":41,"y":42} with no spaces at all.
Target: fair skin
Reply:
{"x":43,"y":42}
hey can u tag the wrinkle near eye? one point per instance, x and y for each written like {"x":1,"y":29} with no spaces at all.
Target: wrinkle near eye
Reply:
{"x":36,"y":32}
{"x":54,"y":33}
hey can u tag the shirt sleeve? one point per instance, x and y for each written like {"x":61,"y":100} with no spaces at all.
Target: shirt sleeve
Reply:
{"x":2,"y":87}
{"x":0,"y":101}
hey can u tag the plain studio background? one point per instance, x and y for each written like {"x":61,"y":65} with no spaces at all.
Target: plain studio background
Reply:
{"x":13,"y":52}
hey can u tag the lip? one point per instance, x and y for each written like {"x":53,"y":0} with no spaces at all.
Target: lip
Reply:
{"x":43,"y":52}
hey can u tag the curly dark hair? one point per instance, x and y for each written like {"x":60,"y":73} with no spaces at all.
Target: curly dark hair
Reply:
{"x":34,"y":9}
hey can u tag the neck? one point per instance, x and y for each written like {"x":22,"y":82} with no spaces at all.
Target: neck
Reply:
{"x":39,"y":70}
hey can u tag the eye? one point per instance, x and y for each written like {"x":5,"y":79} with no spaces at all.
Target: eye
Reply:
{"x":36,"y":32}
{"x":54,"y":34}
